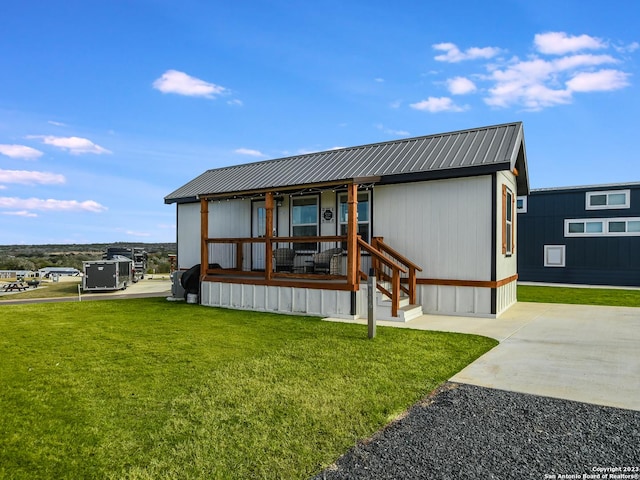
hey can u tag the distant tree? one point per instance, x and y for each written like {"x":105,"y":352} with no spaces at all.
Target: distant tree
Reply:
{"x":16,"y":263}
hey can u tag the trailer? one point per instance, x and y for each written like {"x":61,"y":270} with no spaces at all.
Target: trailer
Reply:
{"x":138,"y":256}
{"x":104,"y":275}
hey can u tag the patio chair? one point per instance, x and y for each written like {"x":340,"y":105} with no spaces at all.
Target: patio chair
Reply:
{"x":283,"y":258}
{"x":327,"y":261}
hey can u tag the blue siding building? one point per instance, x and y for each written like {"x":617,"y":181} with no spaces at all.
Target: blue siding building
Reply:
{"x":580,"y":235}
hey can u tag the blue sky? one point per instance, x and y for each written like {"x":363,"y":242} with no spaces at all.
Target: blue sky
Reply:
{"x":108,"y":106}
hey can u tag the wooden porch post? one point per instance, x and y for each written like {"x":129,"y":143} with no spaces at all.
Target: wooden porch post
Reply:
{"x":268,"y":234}
{"x":204,"y":236}
{"x":352,"y":235}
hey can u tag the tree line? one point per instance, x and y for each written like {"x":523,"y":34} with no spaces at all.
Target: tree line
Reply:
{"x":35,"y":257}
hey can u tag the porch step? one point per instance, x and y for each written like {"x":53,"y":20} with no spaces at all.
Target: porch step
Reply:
{"x":406,"y":311}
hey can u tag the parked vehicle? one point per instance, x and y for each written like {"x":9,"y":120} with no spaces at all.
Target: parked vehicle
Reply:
{"x":136,"y":254}
{"x":104,"y":275}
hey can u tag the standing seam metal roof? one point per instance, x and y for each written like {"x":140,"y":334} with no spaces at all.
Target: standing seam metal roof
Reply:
{"x":495,"y":146}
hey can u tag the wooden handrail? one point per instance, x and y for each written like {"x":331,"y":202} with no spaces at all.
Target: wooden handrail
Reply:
{"x":397,"y":256}
{"x":378,"y":256}
{"x":395,"y":263}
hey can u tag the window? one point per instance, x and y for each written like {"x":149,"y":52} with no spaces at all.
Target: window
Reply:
{"x":554,"y":255}
{"x":596,"y":227}
{"x":521,"y":205}
{"x":364,"y":215}
{"x":608,"y":199}
{"x":508,"y":206}
{"x":304,"y":221}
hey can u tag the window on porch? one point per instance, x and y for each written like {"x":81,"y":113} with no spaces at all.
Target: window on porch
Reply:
{"x":304,"y":221}
{"x":364,"y":216}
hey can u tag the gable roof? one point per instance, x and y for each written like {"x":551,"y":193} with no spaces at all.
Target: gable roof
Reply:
{"x":476,"y":151}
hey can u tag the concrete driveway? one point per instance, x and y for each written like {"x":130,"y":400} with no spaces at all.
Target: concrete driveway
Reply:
{"x":584,"y":353}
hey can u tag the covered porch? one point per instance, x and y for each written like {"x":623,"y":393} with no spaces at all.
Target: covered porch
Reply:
{"x":265,"y":262}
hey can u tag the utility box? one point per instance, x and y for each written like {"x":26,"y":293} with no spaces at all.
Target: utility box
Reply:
{"x":107,"y":274}
{"x":177,"y":290}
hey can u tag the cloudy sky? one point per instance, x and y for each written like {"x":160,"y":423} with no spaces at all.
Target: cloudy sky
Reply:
{"x":106,"y":106}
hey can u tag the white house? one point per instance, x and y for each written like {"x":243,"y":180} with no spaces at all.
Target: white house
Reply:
{"x":433,"y":217}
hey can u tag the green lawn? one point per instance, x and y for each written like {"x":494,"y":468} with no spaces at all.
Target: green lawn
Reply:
{"x":581,"y":296}
{"x":150,"y":389}
{"x":47,"y":290}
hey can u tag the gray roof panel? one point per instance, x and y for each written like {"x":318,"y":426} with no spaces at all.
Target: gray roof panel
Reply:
{"x":492,"y":147}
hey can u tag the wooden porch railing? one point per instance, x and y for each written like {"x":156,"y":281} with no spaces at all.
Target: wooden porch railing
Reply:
{"x":382,"y":255}
{"x":237,"y":256}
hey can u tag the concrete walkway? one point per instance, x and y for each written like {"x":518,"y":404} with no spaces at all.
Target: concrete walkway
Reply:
{"x":584,"y":353}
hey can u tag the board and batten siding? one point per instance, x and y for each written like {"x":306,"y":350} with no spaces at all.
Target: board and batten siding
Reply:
{"x":226,"y":220}
{"x":506,"y":265}
{"x":188,"y":233}
{"x":444,"y":226}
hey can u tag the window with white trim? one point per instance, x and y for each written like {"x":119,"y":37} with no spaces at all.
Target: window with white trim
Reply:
{"x":554,"y":255}
{"x":608,"y":199}
{"x":364,"y":215}
{"x":304,"y":220}
{"x":599,"y":227}
{"x":521,"y":204}
{"x":508,"y":207}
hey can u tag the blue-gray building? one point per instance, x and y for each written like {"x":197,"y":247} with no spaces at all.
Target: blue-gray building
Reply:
{"x":580,"y":235}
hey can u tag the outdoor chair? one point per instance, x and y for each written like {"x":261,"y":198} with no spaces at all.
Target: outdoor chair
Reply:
{"x":283,"y":258}
{"x":327,"y":261}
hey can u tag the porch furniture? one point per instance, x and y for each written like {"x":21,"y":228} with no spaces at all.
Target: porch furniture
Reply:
{"x":284,"y":258}
{"x":327,"y":261}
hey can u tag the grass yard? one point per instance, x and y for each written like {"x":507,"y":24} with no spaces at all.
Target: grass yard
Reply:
{"x":150,"y":389}
{"x":47,"y":290}
{"x":580,"y":296}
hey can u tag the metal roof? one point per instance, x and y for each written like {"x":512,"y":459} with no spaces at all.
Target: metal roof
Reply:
{"x":602,"y":186}
{"x":454,"y":154}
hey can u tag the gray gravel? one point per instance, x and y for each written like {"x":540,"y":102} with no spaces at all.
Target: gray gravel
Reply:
{"x":468,"y":432}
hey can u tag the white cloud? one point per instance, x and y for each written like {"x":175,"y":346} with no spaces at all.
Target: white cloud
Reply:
{"x":579,"y":61}
{"x":539,"y":81}
{"x":21,"y":213}
{"x":51,"y":205}
{"x":378,"y":80}
{"x":632,"y":47}
{"x":398,"y":133}
{"x":559,"y":43}
{"x":235,"y":102}
{"x":249,"y":151}
{"x":25,"y":177}
{"x":435,"y":105}
{"x":19,"y":151}
{"x":460,"y":86}
{"x":602,"y":80}
{"x":173,"y":81}
{"x":57,"y":124}
{"x":137,"y":234}
{"x":454,"y":55}
{"x":74,"y":145}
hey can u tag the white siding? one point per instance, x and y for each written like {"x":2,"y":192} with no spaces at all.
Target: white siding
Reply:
{"x":230,"y":219}
{"x":307,"y":301}
{"x":506,"y":265}
{"x":188,"y":235}
{"x":444,"y":226}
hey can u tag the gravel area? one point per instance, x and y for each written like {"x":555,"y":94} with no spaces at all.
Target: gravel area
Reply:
{"x":469,"y":432}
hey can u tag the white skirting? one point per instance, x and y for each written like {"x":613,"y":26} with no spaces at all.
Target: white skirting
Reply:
{"x":292,"y":300}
